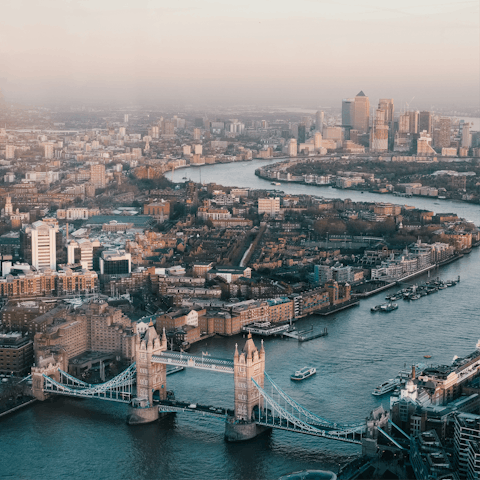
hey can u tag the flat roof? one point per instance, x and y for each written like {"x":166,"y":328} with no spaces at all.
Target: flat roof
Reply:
{"x":137,"y":220}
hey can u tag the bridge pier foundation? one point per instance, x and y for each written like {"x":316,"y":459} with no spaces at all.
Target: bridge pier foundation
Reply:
{"x":369,"y":447}
{"x":139,"y":414}
{"x":240,"y":432}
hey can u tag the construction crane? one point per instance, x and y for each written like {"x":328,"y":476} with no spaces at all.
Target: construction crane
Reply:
{"x":408,"y":103}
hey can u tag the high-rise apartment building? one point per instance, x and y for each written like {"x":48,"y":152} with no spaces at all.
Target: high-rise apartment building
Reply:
{"x":466,"y":140}
{"x":270,"y":206}
{"x":197,"y":134}
{"x":361,"y":119}
{"x":48,"y":150}
{"x":97,"y":175}
{"x":441,"y":133}
{"x":168,"y":128}
{"x":425,"y":122}
{"x":44,"y":245}
{"x":292,"y":148}
{"x":125,"y":118}
{"x":155,"y":131}
{"x":10,"y":152}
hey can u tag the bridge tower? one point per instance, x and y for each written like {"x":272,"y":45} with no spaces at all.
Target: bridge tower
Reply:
{"x":151,"y":377}
{"x":247,"y":365}
{"x":50,"y":370}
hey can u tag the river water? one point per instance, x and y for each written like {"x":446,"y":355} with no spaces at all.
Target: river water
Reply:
{"x":90,"y":439}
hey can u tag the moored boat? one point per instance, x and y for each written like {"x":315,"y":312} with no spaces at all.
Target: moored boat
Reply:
{"x":385,"y":387}
{"x":388,"y":307}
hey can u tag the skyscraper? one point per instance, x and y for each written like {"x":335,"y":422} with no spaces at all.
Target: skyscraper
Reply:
{"x":361,"y":119}
{"x":466,"y":141}
{"x":425,"y":122}
{"x":319,"y":117}
{"x":404,"y":123}
{"x":386,"y":104}
{"x":301,"y":133}
{"x":348,"y":112}
{"x":379,"y":132}
{"x":413,"y":127}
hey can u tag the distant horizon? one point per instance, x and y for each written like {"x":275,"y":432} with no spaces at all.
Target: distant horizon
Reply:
{"x":308,"y":52}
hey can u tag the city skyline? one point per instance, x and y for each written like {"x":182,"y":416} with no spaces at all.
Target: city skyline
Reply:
{"x":308,"y":52}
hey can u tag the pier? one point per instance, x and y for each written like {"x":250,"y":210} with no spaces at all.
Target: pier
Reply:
{"x":266,"y":329}
{"x":306,"y":335}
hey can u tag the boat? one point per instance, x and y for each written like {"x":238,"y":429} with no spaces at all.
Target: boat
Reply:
{"x":414,"y":297}
{"x":376,"y":308}
{"x":385,"y":387}
{"x":275,"y":183}
{"x":427,"y":356}
{"x":304,"y":373}
{"x":388,"y":307}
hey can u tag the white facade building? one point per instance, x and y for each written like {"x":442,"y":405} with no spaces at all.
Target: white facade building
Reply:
{"x":270,"y":206}
{"x":44,"y":247}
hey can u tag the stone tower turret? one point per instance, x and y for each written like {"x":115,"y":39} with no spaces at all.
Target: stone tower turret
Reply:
{"x":247,"y":365}
{"x":150,"y":376}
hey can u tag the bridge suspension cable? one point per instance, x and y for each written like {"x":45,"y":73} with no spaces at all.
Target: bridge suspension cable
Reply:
{"x":289,"y":415}
{"x":118,"y":389}
{"x":312,"y":417}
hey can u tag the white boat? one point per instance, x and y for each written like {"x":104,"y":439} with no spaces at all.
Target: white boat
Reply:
{"x":305,"y":372}
{"x":388,"y":307}
{"x":385,"y":387}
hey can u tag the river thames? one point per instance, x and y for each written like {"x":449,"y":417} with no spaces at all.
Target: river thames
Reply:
{"x":66,"y":437}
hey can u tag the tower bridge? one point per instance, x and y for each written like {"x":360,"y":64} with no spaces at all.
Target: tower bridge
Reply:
{"x":260,"y":404}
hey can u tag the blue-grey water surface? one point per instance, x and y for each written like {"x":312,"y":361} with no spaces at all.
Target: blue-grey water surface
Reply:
{"x":67,"y":438}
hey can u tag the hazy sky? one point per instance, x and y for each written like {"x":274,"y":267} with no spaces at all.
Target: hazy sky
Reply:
{"x":249,"y":51}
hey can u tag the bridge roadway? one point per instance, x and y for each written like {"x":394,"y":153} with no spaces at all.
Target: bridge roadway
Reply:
{"x":265,"y":418}
{"x":203,"y":362}
{"x":269,"y":420}
{"x":174,"y":406}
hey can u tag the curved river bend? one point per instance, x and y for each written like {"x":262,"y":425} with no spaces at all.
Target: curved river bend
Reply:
{"x":90,"y":439}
